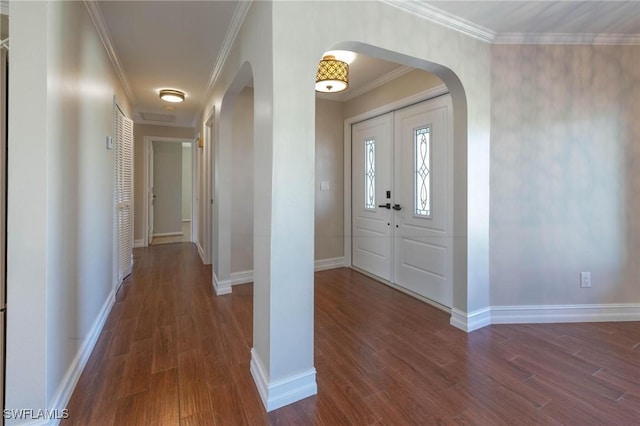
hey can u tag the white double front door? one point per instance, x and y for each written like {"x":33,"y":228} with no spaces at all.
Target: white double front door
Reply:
{"x":402,"y":205}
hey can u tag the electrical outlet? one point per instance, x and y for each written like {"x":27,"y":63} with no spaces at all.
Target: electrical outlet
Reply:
{"x":585,"y":279}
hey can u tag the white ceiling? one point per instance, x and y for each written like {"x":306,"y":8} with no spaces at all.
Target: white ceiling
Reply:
{"x":168,"y":44}
{"x":180,"y":44}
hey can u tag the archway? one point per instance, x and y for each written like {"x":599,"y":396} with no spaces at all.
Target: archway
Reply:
{"x":460,"y":244}
{"x":223,"y":183}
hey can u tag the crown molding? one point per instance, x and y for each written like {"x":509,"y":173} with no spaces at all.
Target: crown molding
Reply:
{"x":398,"y":72}
{"x":443,"y":18}
{"x":567,"y":39}
{"x":105,"y":36}
{"x":234,"y":27}
{"x":478,"y":32}
{"x":349,"y":95}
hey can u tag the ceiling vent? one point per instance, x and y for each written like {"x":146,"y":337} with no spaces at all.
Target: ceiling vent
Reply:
{"x":160,"y":118}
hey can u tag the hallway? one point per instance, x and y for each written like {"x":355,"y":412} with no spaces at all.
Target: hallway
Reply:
{"x":171,"y":353}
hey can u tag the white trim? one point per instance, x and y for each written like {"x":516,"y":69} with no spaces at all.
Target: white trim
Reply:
{"x":232,"y":32}
{"x":331,"y":263}
{"x":470,"y":321}
{"x":208,"y":151}
{"x":65,"y":389}
{"x":168,"y":234}
{"x":200,"y":251}
{"x":195,"y":190}
{"x":245,"y":277}
{"x":278,"y":393}
{"x":565,"y":313}
{"x":242,"y":277}
{"x":103,"y":32}
{"x":139,"y":243}
{"x":146,"y":142}
{"x":397,"y":73}
{"x":568,"y":39}
{"x":221,"y":287}
{"x":481,"y":33}
{"x":393,"y":106}
{"x":443,"y":18}
{"x":423,"y":96}
{"x":352,"y":94}
{"x":542,"y":314}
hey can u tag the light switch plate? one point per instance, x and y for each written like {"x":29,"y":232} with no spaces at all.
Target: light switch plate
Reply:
{"x":324,"y":185}
{"x":109,"y":142}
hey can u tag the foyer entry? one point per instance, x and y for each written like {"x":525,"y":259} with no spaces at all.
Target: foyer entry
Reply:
{"x":402,"y":204}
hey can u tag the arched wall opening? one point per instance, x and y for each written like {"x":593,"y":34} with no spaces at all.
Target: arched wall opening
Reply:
{"x":456,"y":90}
{"x":224,"y":170}
{"x":282,"y":68}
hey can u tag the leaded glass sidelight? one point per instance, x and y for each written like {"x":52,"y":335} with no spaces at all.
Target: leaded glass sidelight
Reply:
{"x":370,"y":174}
{"x":422,"y":188}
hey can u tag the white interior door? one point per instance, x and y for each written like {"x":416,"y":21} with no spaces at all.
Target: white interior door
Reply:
{"x":423,"y":191}
{"x":371,"y":189}
{"x":402,"y":204}
{"x":151,"y":195}
{"x":124,"y":193}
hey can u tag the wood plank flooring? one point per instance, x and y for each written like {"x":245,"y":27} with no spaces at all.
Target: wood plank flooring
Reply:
{"x":172,"y":353}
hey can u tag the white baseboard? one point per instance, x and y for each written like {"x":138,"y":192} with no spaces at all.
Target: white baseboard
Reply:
{"x":242,"y":277}
{"x":168,"y":234}
{"x":565,"y":313}
{"x":541,"y":314}
{"x":332,"y":263}
{"x":470,"y":321}
{"x":221,"y":287}
{"x":139,"y":243}
{"x":200,"y":252}
{"x":62,"y":395}
{"x":278,"y":393}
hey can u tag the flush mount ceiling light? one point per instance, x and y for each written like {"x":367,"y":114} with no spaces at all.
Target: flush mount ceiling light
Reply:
{"x":332,"y":75}
{"x":171,"y":95}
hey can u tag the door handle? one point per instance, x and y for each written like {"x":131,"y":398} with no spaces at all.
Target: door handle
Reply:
{"x":386,"y":206}
{"x":397,"y":207}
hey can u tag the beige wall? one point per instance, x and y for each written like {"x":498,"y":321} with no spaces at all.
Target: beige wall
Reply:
{"x":402,"y":87}
{"x":329,"y":211}
{"x":565,"y":174}
{"x":139,"y":132}
{"x":329,"y":165}
{"x":60,"y":259}
{"x":4,"y":26}
{"x":167,"y":187}
{"x":242,"y":183}
{"x":187,"y":181}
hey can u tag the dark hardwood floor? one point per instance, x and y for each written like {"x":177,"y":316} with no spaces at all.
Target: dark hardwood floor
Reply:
{"x":172,"y":353}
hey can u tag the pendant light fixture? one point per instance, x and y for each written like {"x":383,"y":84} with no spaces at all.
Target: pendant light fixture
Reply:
{"x":171,"y":95}
{"x":332,"y":75}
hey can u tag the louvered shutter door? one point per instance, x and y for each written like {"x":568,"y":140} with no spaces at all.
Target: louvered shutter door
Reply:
{"x":124,"y":193}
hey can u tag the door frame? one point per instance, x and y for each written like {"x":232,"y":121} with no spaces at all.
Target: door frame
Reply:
{"x":422,"y":96}
{"x":146,"y":141}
